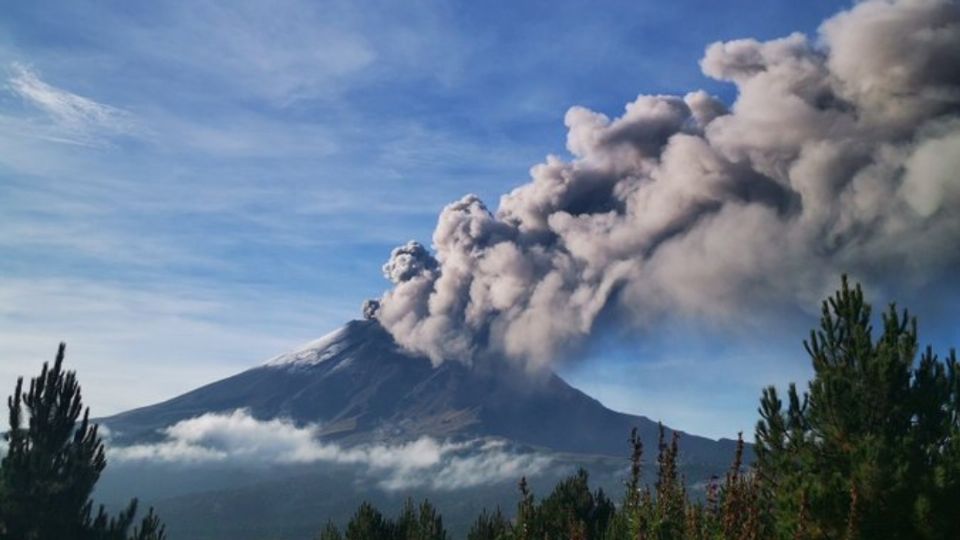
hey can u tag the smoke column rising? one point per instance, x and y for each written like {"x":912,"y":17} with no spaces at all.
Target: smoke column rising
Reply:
{"x":839,"y":155}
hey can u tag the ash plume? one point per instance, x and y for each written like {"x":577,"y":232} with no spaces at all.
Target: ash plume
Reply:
{"x":840,"y":154}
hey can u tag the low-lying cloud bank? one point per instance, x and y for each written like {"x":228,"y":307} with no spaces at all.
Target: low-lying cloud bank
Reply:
{"x":839,"y":155}
{"x":238,"y":437}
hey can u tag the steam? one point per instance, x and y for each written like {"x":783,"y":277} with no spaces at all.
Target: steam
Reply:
{"x":840,"y":154}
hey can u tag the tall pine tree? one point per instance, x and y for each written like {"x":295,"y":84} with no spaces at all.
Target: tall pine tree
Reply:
{"x":490,"y":526}
{"x":871,"y":449}
{"x":52,"y":465}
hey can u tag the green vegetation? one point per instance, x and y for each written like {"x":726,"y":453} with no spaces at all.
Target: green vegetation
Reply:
{"x":413,"y":523}
{"x":489,"y":525}
{"x":870,"y":450}
{"x":51,"y":466}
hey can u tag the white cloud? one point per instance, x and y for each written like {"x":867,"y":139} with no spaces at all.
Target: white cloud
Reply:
{"x":425,"y":462}
{"x":76,"y":119}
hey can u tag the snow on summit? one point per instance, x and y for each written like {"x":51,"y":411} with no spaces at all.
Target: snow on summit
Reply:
{"x":315,"y":351}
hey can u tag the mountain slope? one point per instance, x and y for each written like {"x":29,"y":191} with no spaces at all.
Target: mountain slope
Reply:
{"x":361,"y":387}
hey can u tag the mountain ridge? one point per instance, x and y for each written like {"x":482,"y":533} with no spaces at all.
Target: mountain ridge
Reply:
{"x":360,"y":387}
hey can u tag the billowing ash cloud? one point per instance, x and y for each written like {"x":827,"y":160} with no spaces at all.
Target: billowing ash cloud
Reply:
{"x":840,"y":154}
{"x":239,"y":438}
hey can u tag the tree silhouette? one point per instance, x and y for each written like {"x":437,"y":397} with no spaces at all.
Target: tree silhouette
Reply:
{"x":52,"y":465}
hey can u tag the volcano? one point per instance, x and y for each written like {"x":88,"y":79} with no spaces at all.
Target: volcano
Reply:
{"x":360,"y":387}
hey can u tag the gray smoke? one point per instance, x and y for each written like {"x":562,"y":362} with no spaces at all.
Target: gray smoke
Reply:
{"x":370,"y":308}
{"x":839,"y":155}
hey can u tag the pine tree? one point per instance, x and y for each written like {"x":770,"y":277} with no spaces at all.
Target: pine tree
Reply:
{"x":490,"y":526}
{"x":53,"y":464}
{"x":526,"y":527}
{"x":369,"y":524}
{"x":330,"y":532}
{"x":629,"y":522}
{"x":407,"y":526}
{"x":870,"y":450}
{"x":151,"y":528}
{"x":739,"y":511}
{"x":671,"y":495}
{"x":419,"y":523}
{"x":572,"y":510}
{"x":429,"y":523}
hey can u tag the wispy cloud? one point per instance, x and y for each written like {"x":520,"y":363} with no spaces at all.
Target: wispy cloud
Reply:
{"x":77,"y":119}
{"x":137,"y":343}
{"x":425,"y":462}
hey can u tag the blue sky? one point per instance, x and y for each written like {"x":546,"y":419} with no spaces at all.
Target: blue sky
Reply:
{"x":189,"y":188}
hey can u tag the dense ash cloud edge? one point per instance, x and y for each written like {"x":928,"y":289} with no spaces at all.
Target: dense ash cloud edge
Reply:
{"x":839,"y":155}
